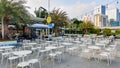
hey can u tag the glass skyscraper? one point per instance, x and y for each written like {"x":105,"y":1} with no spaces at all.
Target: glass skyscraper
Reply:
{"x":100,"y":10}
{"x":113,"y":16}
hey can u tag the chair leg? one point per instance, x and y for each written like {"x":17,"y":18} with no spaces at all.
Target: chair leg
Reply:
{"x":6,"y":64}
{"x":2,"y":60}
{"x":39,"y":64}
{"x":10,"y":64}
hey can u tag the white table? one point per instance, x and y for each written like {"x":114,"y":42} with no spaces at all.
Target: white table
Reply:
{"x":100,"y":44}
{"x":22,"y":53}
{"x":50,"y":47}
{"x":67,"y":44}
{"x":94,"y":47}
{"x":49,"y":41}
{"x":72,"y":48}
{"x":6,"y":47}
{"x":31,"y":44}
{"x":36,"y":48}
{"x":104,"y":54}
{"x":52,"y":54}
{"x":77,"y":42}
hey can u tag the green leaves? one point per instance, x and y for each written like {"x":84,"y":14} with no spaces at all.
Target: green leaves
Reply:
{"x":59,"y":17}
{"x":10,"y":9}
{"x":107,"y":31}
{"x":41,"y":12}
{"x":86,"y":26}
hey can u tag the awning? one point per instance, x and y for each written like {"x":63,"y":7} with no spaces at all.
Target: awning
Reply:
{"x":38,"y":25}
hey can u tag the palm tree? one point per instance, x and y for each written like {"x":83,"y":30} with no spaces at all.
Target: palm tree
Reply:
{"x":77,"y":22}
{"x":10,"y":8}
{"x":86,"y":27}
{"x":59,"y":18}
{"x":41,"y":12}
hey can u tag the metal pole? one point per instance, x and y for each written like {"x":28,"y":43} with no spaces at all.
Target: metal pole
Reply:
{"x":48,"y":14}
{"x":48,"y":6}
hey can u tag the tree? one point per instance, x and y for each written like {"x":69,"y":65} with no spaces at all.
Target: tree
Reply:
{"x":10,"y":8}
{"x":97,"y":30}
{"x":41,"y":12}
{"x":107,"y":31}
{"x":86,"y":27}
{"x":117,"y":32}
{"x":77,"y":22}
{"x":59,"y":18}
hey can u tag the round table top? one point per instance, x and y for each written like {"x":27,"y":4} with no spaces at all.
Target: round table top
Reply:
{"x":76,"y":41}
{"x":94,"y":47}
{"x":82,"y":45}
{"x":67,"y":43}
{"x":6,"y":47}
{"x":49,"y":41}
{"x":104,"y":54}
{"x":50,"y":47}
{"x":100,"y":44}
{"x":72,"y":48}
{"x":22,"y":53}
{"x":42,"y":51}
{"x":52,"y":54}
{"x":32,"y":43}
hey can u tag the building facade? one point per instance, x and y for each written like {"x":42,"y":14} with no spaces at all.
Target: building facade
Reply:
{"x":100,"y":20}
{"x":113,"y":16}
{"x":86,"y":18}
{"x":100,"y":10}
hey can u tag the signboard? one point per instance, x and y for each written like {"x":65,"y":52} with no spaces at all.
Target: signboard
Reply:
{"x":51,"y":25}
{"x":48,"y":19}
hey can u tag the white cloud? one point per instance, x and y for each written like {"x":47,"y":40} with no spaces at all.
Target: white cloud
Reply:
{"x":77,"y":10}
{"x":74,"y":10}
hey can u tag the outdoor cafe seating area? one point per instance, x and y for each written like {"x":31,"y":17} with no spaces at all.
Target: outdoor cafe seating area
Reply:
{"x":37,"y":53}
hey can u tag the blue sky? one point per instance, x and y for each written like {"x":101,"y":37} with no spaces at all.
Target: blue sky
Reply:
{"x":74,"y":8}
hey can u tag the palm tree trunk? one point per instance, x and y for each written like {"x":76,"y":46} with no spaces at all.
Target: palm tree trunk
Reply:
{"x":2,"y":27}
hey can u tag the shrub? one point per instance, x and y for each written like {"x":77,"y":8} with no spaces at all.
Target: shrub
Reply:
{"x":107,"y":32}
{"x":117,"y":32}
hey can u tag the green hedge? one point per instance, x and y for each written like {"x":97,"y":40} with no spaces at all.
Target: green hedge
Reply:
{"x":73,"y":32}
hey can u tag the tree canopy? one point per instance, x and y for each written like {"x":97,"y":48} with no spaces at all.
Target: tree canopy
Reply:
{"x":86,"y":27}
{"x":10,"y":9}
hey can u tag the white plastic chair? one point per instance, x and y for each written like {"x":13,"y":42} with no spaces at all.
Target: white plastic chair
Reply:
{"x":33,"y":61}
{"x":23,"y":65}
{"x":59,"y":56}
{"x":5,"y":55}
{"x":13,"y":58}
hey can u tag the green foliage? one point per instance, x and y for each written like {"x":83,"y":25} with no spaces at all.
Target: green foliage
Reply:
{"x":97,"y":30}
{"x":73,"y":32}
{"x":59,"y":18}
{"x":86,"y":27}
{"x":117,"y":32}
{"x":76,"y":22}
{"x":41,"y":12}
{"x":107,"y":32}
{"x":10,"y":9}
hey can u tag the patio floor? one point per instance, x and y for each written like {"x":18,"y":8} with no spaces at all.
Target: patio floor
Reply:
{"x":75,"y":61}
{"x":69,"y":61}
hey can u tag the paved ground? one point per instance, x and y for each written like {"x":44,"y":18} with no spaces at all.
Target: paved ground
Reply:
{"x":69,"y":61}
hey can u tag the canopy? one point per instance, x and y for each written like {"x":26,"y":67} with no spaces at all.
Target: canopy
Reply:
{"x":38,"y":25}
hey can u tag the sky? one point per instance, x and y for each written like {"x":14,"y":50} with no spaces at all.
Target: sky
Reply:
{"x":74,"y":8}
